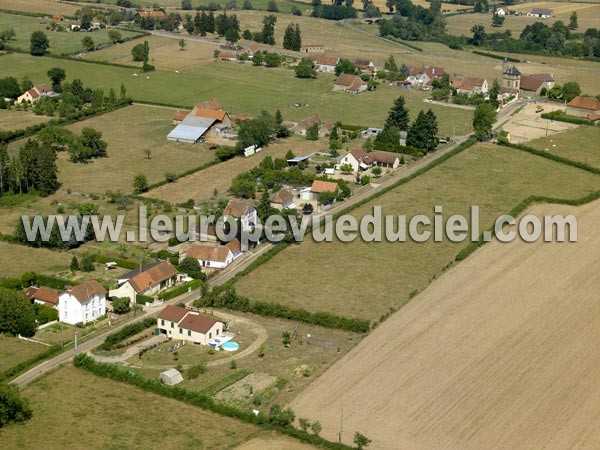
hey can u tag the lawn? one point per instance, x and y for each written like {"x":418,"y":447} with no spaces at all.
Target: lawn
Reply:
{"x":60,"y":42}
{"x":17,"y":259}
{"x":361,"y":279}
{"x":113,"y":415}
{"x":14,"y":351}
{"x":580,"y":144}
{"x":11,"y":119}
{"x":129,"y":132}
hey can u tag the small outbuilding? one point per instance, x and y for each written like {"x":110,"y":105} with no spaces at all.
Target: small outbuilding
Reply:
{"x":171,"y":377}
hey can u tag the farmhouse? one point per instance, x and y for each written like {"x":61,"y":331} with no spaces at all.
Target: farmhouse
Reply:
{"x":424,"y":75}
{"x":360,"y":159}
{"x":148,"y":281}
{"x":157,"y":15}
{"x":228,"y":55}
{"x":315,"y":48}
{"x":502,"y":11}
{"x":83,"y":303}
{"x":244,"y":210}
{"x":470,"y":85}
{"x":282,"y":199}
{"x":365,"y":66}
{"x":584,"y":107}
{"x":325,"y":63}
{"x":542,"y":13}
{"x":200,"y":122}
{"x":35,"y":93}
{"x":213,"y":256}
{"x":179,"y":323}
{"x":534,"y":83}
{"x":349,"y":83}
{"x":42,"y":296}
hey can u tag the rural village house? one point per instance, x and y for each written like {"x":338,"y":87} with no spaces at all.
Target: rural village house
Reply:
{"x":319,"y":187}
{"x":147,"y":282}
{"x":43,"y":296}
{"x":282,"y":199}
{"x":244,"y":210}
{"x":179,"y":323}
{"x":83,"y":303}
{"x":534,"y":83}
{"x":365,"y":66}
{"x":542,"y":13}
{"x":470,"y":85}
{"x":213,"y":255}
{"x":325,"y":63}
{"x":349,"y":83}
{"x":314,"y":48}
{"x":424,"y":75}
{"x":35,"y":93}
{"x":301,"y":127}
{"x":361,"y":160}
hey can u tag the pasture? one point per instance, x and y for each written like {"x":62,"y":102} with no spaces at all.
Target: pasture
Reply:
{"x":61,"y":43}
{"x":109,"y":414}
{"x":129,"y":132}
{"x":17,"y":259}
{"x":201,"y":185}
{"x":14,"y":351}
{"x":360,"y":279}
{"x":580,"y":145}
{"x":498,"y":353}
{"x":49,"y":7}
{"x":11,"y":119}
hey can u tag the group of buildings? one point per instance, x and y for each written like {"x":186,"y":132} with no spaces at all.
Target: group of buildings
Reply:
{"x":206,"y":120}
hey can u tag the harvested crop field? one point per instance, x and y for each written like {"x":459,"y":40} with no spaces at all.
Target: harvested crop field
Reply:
{"x":499,"y":353}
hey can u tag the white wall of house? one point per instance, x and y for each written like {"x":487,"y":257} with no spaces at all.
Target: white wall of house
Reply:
{"x":173,"y":331}
{"x":123,"y":291}
{"x":71,"y":311}
{"x":209,"y":264}
{"x":350,"y":159}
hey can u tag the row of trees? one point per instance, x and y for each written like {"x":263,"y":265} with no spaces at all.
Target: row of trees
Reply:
{"x":32,"y":169}
{"x":292,"y":38}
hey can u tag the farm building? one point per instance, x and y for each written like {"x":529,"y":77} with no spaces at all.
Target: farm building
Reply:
{"x":282,"y":199}
{"x":349,"y":83}
{"x":314,"y":48}
{"x":179,"y":323}
{"x":534,"y":83}
{"x":542,"y":13}
{"x":584,"y":106}
{"x":424,"y":75}
{"x":326,"y":63}
{"x":365,"y":66}
{"x":470,"y":85}
{"x":35,"y":93}
{"x":198,"y":122}
{"x":213,"y":256}
{"x":171,"y":377}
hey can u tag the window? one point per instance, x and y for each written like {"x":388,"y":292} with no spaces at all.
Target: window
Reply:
{"x":162,"y":322}
{"x":189,"y":332}
{"x":172,"y":324}
{"x":209,"y":335}
{"x":180,"y":330}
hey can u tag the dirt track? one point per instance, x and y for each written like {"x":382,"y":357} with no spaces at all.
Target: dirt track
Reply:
{"x":500,"y":353}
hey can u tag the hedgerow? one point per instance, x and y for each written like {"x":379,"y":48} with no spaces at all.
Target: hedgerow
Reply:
{"x":130,"y":330}
{"x":24,"y":366}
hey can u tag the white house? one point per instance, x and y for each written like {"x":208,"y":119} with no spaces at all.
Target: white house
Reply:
{"x":213,"y":256}
{"x":179,"y":323}
{"x":360,"y":159}
{"x":349,"y":83}
{"x":147,"y":282}
{"x":243,"y":210}
{"x":542,"y":13}
{"x":83,"y":303}
{"x":502,"y":12}
{"x":424,"y":75}
{"x":470,"y":85}
{"x":326,"y":63}
{"x":365,"y":66}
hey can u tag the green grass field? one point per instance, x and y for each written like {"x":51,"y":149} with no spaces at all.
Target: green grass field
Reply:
{"x":242,"y":88}
{"x":129,"y":132}
{"x":60,"y":42}
{"x":40,"y":6}
{"x":366,"y":279}
{"x":579,"y":144}
{"x":14,"y":351}
{"x":73,"y":408}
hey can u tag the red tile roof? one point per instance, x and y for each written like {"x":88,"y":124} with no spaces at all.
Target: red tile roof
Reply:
{"x":180,"y":115}
{"x":591,"y":103}
{"x":208,"y":252}
{"x":197,"y":322}
{"x":153,"y":276}
{"x":347,"y":80}
{"x":85,"y":291}
{"x":326,"y":60}
{"x":210,"y":104}
{"x":238,"y":207}
{"x":209,"y":113}
{"x":43,"y":294}
{"x":283,"y":196}
{"x":320,"y":186}
{"x":172,"y":313}
{"x":153,"y":14}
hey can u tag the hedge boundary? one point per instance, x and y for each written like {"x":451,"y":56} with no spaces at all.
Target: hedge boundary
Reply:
{"x":126,"y":332}
{"x":197,"y":399}
{"x":24,"y":366}
{"x":493,"y":55}
{"x":46,"y":280}
{"x":560,"y":117}
{"x":179,"y":290}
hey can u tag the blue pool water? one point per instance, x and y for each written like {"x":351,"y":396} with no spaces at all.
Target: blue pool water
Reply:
{"x":230,"y":346}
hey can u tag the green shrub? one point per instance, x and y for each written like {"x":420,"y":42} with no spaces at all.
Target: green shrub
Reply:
{"x":130,"y":330}
{"x":141,"y":299}
{"x":195,"y":371}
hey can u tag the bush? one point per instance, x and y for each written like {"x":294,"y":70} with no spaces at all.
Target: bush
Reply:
{"x":181,"y":289}
{"x":121,"y":305}
{"x":130,"y":330}
{"x":13,"y":407}
{"x":141,"y":299}
{"x":195,"y":371}
{"x":562,"y":117}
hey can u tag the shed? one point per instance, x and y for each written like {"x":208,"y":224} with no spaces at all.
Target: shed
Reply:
{"x":171,"y":377}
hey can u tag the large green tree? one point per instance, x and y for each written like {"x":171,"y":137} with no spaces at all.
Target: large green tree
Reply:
{"x":13,"y":407}
{"x":484,"y":117}
{"x":39,"y":43}
{"x":306,"y":69}
{"x":17,"y":314}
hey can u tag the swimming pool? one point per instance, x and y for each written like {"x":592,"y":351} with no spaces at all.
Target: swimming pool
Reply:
{"x":230,"y":346}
